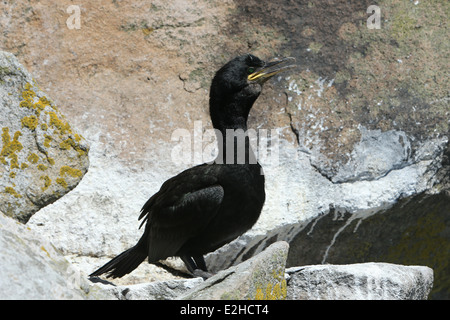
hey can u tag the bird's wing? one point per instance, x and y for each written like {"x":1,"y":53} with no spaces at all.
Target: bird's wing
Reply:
{"x":180,"y":210}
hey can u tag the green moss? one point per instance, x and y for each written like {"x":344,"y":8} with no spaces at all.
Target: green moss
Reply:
{"x":315,"y":47}
{"x":402,"y":26}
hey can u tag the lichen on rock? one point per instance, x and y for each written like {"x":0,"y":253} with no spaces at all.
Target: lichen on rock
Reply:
{"x":36,"y":138}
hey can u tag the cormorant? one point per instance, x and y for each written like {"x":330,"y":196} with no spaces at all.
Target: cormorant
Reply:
{"x":209,"y":205}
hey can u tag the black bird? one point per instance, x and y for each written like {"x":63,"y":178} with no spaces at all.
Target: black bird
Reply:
{"x":209,"y":205}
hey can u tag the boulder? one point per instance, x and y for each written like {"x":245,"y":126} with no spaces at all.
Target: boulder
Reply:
{"x":32,"y":268}
{"x":42,"y":157}
{"x":365,"y":281}
{"x":259,"y":278}
{"x":158,"y":290}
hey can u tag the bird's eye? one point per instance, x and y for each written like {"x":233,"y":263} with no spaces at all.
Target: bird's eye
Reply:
{"x":250,"y":70}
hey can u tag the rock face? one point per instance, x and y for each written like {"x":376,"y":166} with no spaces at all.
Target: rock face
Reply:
{"x":360,"y":127}
{"x":42,"y":157}
{"x":366,"y":281}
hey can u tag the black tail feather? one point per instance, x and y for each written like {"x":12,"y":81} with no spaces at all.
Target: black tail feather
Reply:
{"x":123,"y":264}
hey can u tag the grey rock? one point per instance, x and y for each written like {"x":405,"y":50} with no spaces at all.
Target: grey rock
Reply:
{"x":158,"y":290}
{"x":32,"y":268}
{"x":261,"y":277}
{"x":42,"y":157}
{"x":375,"y":155}
{"x":365,"y":281}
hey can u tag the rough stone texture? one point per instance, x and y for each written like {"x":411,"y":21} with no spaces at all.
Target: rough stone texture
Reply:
{"x":261,"y":277}
{"x":42,"y":157}
{"x":366,"y":281}
{"x":136,"y":71}
{"x":416,"y":230}
{"x":158,"y":290}
{"x":32,"y":268}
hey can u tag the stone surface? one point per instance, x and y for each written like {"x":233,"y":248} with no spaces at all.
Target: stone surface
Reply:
{"x":414,"y":231}
{"x":366,"y":281}
{"x":361,"y":124}
{"x":42,"y":157}
{"x":32,"y":268}
{"x":259,"y":278}
{"x":158,"y":290}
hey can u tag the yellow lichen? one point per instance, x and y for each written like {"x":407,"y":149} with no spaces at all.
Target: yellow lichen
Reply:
{"x":42,"y":167}
{"x":30,"y":122}
{"x":259,"y":294}
{"x":47,"y":140}
{"x":51,"y":161}
{"x":76,"y":173}
{"x":44,"y":100}
{"x":10,"y":147}
{"x":61,"y":182}
{"x":70,"y":143}
{"x":12,"y":174}
{"x":23,"y":165}
{"x":47,"y":182}
{"x":59,"y":124}
{"x":44,"y":127}
{"x":33,"y":158}
{"x":13,"y":192}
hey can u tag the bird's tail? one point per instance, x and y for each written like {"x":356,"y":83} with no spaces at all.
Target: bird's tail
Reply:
{"x":123,"y":264}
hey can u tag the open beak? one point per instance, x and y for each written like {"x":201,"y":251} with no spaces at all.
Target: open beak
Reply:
{"x":272,"y":68}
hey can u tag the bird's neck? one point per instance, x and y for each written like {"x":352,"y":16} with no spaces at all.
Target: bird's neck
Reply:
{"x":234,"y":147}
{"x":232,"y":138}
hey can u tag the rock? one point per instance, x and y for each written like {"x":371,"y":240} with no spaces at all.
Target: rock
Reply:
{"x":365,"y":281}
{"x":413,"y":231}
{"x":158,"y":290}
{"x":261,"y":277}
{"x":361,"y":125}
{"x":42,"y":157}
{"x":32,"y":268}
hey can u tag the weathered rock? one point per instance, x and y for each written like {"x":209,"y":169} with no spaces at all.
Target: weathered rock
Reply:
{"x":158,"y":290}
{"x":414,"y":231}
{"x":132,"y":75}
{"x":32,"y":268}
{"x":261,"y":277}
{"x":42,"y":157}
{"x":366,"y":281}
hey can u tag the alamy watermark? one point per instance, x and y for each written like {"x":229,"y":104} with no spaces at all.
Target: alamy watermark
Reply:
{"x":235,"y":147}
{"x":74,"y":21}
{"x":374,"y":21}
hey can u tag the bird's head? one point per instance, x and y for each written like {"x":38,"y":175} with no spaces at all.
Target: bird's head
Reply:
{"x":238,"y":84}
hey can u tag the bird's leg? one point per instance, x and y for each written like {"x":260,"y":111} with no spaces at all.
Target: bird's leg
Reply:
{"x":200,"y":262}
{"x":201,"y":270}
{"x":190,"y":264}
{"x":197,"y":268}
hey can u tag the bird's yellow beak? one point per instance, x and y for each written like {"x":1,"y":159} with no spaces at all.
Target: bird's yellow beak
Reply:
{"x":272,"y":68}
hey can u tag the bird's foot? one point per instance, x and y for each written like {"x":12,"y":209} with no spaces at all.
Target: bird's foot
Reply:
{"x":200,"y":273}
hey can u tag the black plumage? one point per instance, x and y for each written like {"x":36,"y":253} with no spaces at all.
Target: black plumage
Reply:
{"x":207,"y":206}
